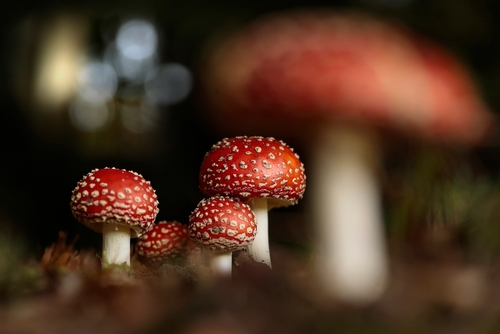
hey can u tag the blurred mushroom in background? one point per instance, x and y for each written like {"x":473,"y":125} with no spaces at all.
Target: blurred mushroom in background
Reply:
{"x":339,"y":81}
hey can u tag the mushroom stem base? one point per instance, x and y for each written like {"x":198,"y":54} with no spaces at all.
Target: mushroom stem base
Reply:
{"x":115,"y":245}
{"x":259,"y":248}
{"x":351,"y":260}
{"x":222,"y":264}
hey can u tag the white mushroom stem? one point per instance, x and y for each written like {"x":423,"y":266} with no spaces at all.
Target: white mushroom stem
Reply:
{"x":115,"y":244}
{"x":259,"y":248}
{"x":222,"y":264}
{"x":351,"y":254}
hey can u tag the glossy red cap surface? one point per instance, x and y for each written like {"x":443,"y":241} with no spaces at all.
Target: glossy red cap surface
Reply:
{"x":111,"y":195}
{"x":222,"y":224}
{"x":250,"y":167}
{"x":163,"y":241}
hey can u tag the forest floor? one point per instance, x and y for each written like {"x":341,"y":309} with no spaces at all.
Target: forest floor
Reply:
{"x":432,"y":289}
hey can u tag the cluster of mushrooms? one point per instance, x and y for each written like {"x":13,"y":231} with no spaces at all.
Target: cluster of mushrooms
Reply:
{"x":244,"y":177}
{"x":338,"y":82}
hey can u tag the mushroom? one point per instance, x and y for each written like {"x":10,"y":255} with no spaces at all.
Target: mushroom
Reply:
{"x":165,"y":240}
{"x":265,"y":172}
{"x":342,"y":78}
{"x":222,"y":225}
{"x":119,"y":204}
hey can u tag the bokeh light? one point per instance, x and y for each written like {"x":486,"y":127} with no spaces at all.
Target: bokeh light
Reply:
{"x":62,"y":41}
{"x":97,"y":82}
{"x":134,"y":51}
{"x":170,"y":84}
{"x":89,"y":116}
{"x":137,"y":39}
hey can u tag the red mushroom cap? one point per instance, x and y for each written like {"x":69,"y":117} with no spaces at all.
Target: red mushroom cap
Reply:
{"x":324,"y":65}
{"x":163,"y":241}
{"x":250,"y":167}
{"x":222,"y":224}
{"x":111,"y":195}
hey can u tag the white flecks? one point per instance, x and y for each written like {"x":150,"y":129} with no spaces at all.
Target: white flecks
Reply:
{"x":121,"y":205}
{"x":266,"y":165}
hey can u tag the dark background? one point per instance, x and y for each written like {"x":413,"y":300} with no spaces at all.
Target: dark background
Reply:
{"x":40,"y":162}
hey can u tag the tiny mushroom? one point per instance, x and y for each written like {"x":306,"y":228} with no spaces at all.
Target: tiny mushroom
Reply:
{"x":119,"y":204}
{"x":263,"y":171}
{"x":165,"y":240}
{"x":222,"y":225}
{"x":339,"y":80}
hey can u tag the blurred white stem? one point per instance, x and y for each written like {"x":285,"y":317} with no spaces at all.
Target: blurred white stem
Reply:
{"x":351,"y":251}
{"x":115,"y":244}
{"x":259,"y":249}
{"x":221,"y":264}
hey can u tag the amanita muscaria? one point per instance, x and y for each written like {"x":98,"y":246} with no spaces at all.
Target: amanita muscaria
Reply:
{"x":118,"y":203}
{"x":164,"y":241}
{"x":222,"y":225}
{"x":336,"y":79}
{"x":264,"y":172}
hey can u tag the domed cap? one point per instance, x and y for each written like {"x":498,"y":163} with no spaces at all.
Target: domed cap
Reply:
{"x":111,"y":195}
{"x":250,"y":167}
{"x":222,"y":224}
{"x":163,"y":241}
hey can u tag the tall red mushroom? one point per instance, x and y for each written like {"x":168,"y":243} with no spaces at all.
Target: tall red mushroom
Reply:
{"x":265,"y":172}
{"x":222,"y":225}
{"x":119,"y":204}
{"x":342,"y":76}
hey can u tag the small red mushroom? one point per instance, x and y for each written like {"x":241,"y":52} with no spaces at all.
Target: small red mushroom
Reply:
{"x":263,"y":171}
{"x":164,"y":241}
{"x":119,"y":204}
{"x":222,"y":225}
